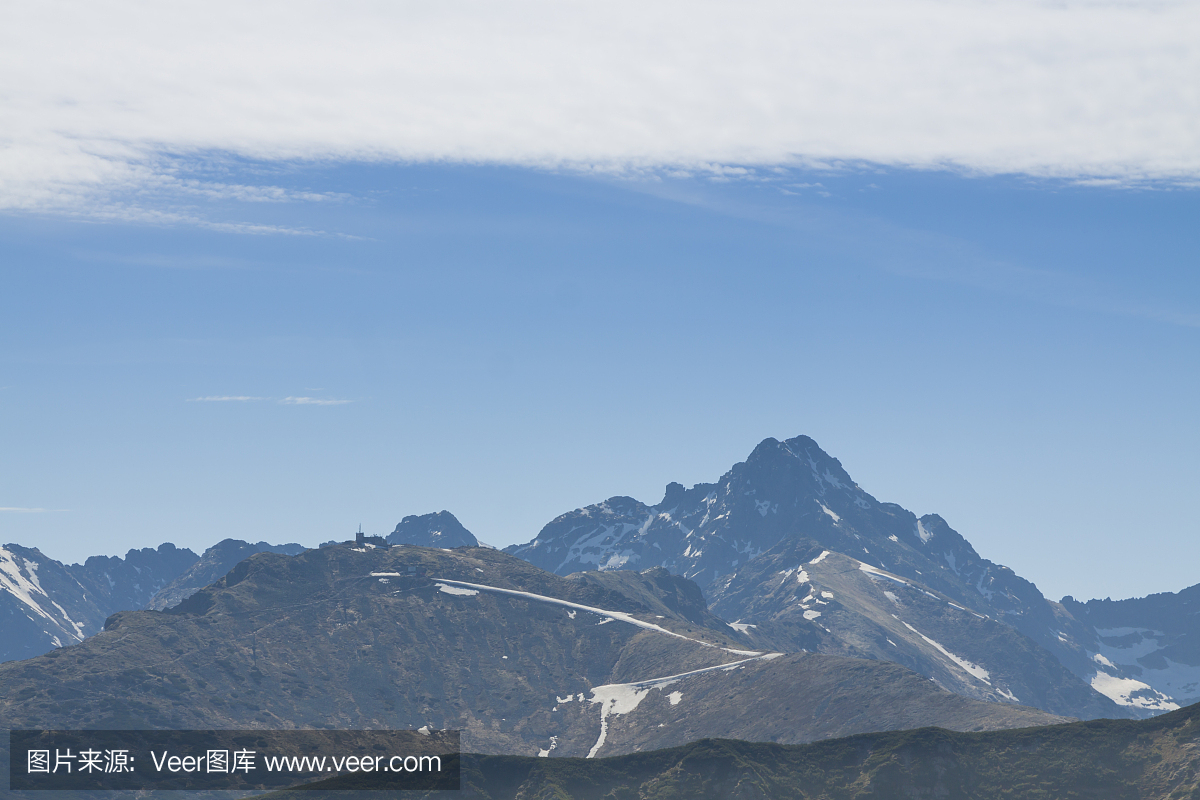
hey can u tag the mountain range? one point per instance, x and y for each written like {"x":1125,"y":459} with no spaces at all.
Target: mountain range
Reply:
{"x":472,"y":639}
{"x":780,"y":603}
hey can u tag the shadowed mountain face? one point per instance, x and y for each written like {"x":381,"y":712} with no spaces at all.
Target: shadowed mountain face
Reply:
{"x":46,"y":604}
{"x":1099,"y":760}
{"x":432,"y":530}
{"x":520,"y":660}
{"x":786,"y":597}
{"x":211,"y":567}
{"x":791,"y":491}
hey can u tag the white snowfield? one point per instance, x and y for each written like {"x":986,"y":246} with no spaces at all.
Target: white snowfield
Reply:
{"x":1120,"y":690}
{"x":1163,"y":684}
{"x":622,"y":698}
{"x":618,"y":616}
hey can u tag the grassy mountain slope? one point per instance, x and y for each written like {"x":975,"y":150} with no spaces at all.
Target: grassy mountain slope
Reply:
{"x":347,"y":637}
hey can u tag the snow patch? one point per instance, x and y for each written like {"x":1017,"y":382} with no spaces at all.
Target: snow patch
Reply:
{"x":1007,"y":695}
{"x":675,"y":697}
{"x":610,"y":615}
{"x":829,"y":511}
{"x":615,"y":698}
{"x":988,"y":593}
{"x":923,"y":534}
{"x":622,"y":698}
{"x":1178,"y":681}
{"x":618,"y":560}
{"x":973,"y":669}
{"x":820,"y":558}
{"x":811,"y":615}
{"x":1121,"y":691}
{"x":875,"y":573}
{"x":456,"y":590}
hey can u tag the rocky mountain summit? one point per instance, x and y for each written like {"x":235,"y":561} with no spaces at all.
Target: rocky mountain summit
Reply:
{"x":432,"y":530}
{"x":791,"y":491}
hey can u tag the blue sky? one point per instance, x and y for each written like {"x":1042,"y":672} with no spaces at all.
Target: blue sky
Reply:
{"x":997,"y":324}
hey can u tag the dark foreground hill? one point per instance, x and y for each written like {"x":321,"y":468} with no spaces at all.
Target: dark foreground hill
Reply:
{"x":520,"y":660}
{"x":1155,"y":759}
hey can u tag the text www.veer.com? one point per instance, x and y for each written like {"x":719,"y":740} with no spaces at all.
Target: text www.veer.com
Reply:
{"x":310,"y":764}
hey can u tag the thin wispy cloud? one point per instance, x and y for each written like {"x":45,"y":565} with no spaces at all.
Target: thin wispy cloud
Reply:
{"x":287,"y":401}
{"x":108,"y":105}
{"x":313,"y":401}
{"x":15,"y":510}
